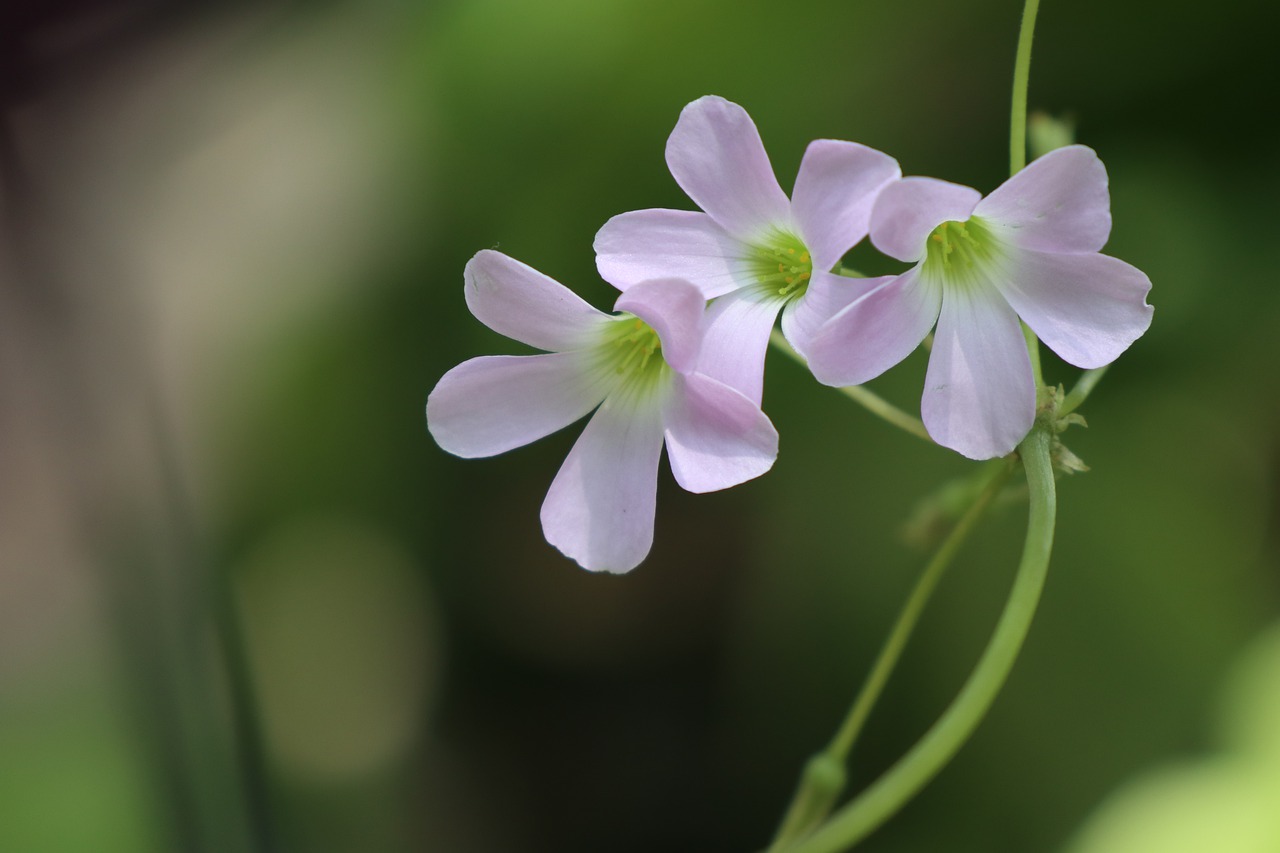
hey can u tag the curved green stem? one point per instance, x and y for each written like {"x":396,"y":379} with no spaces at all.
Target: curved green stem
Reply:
{"x":823,"y":777}
{"x":869,"y":400}
{"x":914,"y":770}
{"x":1021,"y":73}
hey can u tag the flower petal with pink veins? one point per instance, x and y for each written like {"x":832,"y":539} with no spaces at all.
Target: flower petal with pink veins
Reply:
{"x":1058,"y":203}
{"x":643,"y":244}
{"x":979,"y":394}
{"x":907,"y":210}
{"x":716,"y":437}
{"x":1086,"y":308}
{"x":518,"y":301}
{"x":875,"y":332}
{"x":491,"y":404}
{"x":834,"y":193}
{"x":716,"y":156}
{"x":599,"y":510}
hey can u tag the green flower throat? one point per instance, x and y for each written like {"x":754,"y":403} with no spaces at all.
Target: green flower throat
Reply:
{"x":784,"y":267}
{"x":956,"y":251}
{"x":632,"y":351}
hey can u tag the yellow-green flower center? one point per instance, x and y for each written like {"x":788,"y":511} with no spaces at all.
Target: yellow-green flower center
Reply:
{"x":632,"y":351}
{"x":956,"y":252}
{"x":783,"y":266}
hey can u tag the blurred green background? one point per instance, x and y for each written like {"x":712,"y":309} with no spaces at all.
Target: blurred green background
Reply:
{"x":231,"y":271}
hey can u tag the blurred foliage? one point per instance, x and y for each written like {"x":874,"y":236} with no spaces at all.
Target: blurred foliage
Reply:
{"x":433,"y":675}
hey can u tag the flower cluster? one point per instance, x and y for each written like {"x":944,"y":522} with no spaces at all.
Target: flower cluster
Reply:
{"x":682,"y":364}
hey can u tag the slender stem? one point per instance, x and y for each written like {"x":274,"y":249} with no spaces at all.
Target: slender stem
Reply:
{"x":1088,"y":380}
{"x":1018,"y":141}
{"x":869,"y":400}
{"x":910,"y":615}
{"x":1021,"y":73}
{"x":914,"y":770}
{"x":823,"y":776}
{"x":1033,"y":350}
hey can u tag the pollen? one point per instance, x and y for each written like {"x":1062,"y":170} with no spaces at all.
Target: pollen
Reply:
{"x":782,"y":265}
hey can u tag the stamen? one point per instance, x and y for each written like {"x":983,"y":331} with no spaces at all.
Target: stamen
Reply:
{"x":785,"y":267}
{"x":958,"y":250}
{"x":629,"y":351}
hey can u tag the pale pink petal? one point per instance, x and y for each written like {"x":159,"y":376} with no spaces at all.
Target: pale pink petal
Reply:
{"x":716,"y":156}
{"x":600,"y":507}
{"x":1058,"y":203}
{"x":875,"y":332}
{"x":674,"y":308}
{"x":518,"y":301}
{"x":643,"y":244}
{"x":716,"y":437}
{"x":737,"y":336}
{"x":1086,"y":308}
{"x":907,"y":210}
{"x":835,"y":190}
{"x":979,"y":395}
{"x":492,"y":404}
{"x":827,"y":295}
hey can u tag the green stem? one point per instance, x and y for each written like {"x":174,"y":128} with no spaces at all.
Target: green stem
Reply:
{"x":1021,"y":73}
{"x":1033,"y":350}
{"x":869,"y":400}
{"x":914,"y":770}
{"x":1088,"y":380}
{"x":823,"y":776}
{"x":1018,"y":142}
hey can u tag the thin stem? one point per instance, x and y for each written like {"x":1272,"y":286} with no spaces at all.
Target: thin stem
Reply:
{"x":1018,"y":141}
{"x":1021,"y":73}
{"x":1033,"y":350}
{"x":1084,"y":387}
{"x":823,"y":776}
{"x":910,"y":615}
{"x":914,"y":770}
{"x":869,"y":400}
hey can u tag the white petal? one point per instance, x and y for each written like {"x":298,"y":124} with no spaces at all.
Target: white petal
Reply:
{"x":643,"y":244}
{"x":600,"y":507}
{"x":492,"y":404}
{"x":979,"y":395}
{"x":674,"y":309}
{"x":716,"y":156}
{"x":837,"y":184}
{"x":716,"y":437}
{"x":875,"y":332}
{"x":737,"y":336}
{"x":518,"y":301}
{"x":907,"y":210}
{"x":1086,"y":308}
{"x":1058,"y":203}
{"x":826,"y":296}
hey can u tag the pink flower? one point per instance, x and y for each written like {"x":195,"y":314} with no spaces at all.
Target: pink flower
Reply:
{"x":1029,"y":250}
{"x":634,"y":369}
{"x":753,"y":250}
